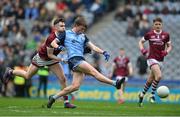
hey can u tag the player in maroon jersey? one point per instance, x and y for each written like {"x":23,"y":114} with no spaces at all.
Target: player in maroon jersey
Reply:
{"x":122,"y":68}
{"x":159,"y":47}
{"x":46,"y":56}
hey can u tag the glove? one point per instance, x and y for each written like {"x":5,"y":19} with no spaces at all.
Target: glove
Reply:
{"x":106,"y":55}
{"x":164,"y":53}
{"x":60,"y":48}
{"x":144,"y":51}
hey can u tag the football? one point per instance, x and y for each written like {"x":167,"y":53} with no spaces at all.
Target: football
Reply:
{"x":163,"y":91}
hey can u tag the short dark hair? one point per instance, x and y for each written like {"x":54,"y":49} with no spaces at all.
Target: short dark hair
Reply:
{"x":158,"y":19}
{"x":80,"y":21}
{"x":56,"y":21}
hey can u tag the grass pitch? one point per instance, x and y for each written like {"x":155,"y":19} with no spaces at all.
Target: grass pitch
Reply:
{"x":33,"y":107}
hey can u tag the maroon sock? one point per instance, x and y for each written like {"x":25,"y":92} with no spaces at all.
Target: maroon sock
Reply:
{"x":66,"y":99}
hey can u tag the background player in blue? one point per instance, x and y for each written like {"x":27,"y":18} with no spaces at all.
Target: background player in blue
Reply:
{"x":75,"y":42}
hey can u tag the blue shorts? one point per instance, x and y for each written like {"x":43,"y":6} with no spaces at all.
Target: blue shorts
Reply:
{"x":74,"y":62}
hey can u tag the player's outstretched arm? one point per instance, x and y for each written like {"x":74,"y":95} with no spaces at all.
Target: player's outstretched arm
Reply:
{"x":99,"y":50}
{"x":95,"y":48}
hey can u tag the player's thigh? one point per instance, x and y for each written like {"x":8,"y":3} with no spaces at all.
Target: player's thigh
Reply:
{"x":86,"y":68}
{"x":57,"y":70}
{"x":156,"y":70}
{"x":77,"y":78}
{"x":32,"y":69}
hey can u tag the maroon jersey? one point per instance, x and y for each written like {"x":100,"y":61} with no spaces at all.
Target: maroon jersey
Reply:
{"x":121,"y":66}
{"x":157,"y":43}
{"x":43,"y":50}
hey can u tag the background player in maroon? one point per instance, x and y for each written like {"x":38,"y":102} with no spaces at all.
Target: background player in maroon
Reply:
{"x":122,"y":68}
{"x":46,"y":56}
{"x":159,"y":47}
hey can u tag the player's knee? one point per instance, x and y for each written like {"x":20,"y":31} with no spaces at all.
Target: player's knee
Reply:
{"x":158,"y":78}
{"x":75,"y":87}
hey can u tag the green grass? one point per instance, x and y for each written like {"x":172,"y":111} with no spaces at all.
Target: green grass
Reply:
{"x":32,"y":107}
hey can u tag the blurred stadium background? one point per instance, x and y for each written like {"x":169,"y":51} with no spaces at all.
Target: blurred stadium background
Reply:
{"x":113,"y":24}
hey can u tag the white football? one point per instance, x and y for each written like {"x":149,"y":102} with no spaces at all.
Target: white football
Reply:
{"x":163,"y":91}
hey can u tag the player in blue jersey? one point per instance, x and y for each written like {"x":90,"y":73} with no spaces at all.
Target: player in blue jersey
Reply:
{"x":75,"y":42}
{"x":46,"y":56}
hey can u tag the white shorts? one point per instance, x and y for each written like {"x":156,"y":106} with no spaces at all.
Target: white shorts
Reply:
{"x":151,"y":62}
{"x":120,"y":77}
{"x":37,"y":61}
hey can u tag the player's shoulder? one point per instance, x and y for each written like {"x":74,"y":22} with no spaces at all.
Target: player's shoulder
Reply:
{"x":68,"y":31}
{"x":52,"y":35}
{"x":165,"y":33}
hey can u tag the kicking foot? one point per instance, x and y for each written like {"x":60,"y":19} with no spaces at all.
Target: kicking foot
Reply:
{"x":152,"y":100}
{"x":69,"y":105}
{"x":7,"y":75}
{"x":119,"y":83}
{"x":141,"y":96}
{"x":50,"y":102}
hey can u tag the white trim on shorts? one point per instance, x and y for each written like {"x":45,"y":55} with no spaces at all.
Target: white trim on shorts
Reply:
{"x":37,"y":61}
{"x":151,"y":62}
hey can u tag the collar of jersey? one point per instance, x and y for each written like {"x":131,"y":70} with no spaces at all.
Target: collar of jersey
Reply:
{"x":157,"y":32}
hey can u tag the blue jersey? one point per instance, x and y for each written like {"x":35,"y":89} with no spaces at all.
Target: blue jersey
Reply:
{"x":74,"y":43}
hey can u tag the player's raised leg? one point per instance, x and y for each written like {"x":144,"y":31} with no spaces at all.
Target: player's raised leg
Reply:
{"x":32,"y":69}
{"x":86,"y":68}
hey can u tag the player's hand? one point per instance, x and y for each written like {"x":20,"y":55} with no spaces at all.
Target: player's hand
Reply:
{"x":61,"y":48}
{"x":106,"y":55}
{"x":144,"y":51}
{"x":164,"y":53}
